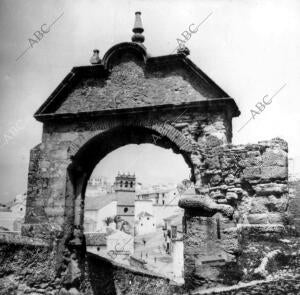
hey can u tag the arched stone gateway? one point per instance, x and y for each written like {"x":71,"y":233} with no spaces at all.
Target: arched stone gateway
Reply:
{"x":86,"y":152}
{"x":241,"y":193}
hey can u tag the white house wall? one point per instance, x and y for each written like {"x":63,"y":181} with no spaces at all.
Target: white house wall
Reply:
{"x":109,"y":210}
{"x":141,"y":206}
{"x":161,"y":212}
{"x":178,"y":261}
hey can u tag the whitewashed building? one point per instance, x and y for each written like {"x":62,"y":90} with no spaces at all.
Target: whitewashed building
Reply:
{"x":12,"y":215}
{"x":145,"y":223}
{"x":164,"y":202}
{"x":143,"y":205}
{"x":173,"y":235}
{"x":97,"y":210}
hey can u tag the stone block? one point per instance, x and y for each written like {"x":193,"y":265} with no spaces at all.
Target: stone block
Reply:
{"x":216,"y":180}
{"x":256,"y":230}
{"x":251,"y":172}
{"x":230,"y":240}
{"x":275,"y":218}
{"x":265,"y":189}
{"x":278,"y":204}
{"x":274,"y":157}
{"x":249,"y":162}
{"x":231,"y":196}
{"x":229,"y":179}
{"x":258,"y":205}
{"x":274,"y":172}
{"x":59,"y":154}
{"x":54,"y":211}
{"x":222,"y":201}
{"x":257,"y":218}
{"x":236,"y":190}
{"x":205,"y":204}
{"x":253,"y":154}
{"x":217,"y":195}
{"x":74,"y":291}
{"x":63,"y":291}
{"x":44,"y":164}
{"x":212,"y":162}
{"x":67,"y":136}
{"x":275,"y":143}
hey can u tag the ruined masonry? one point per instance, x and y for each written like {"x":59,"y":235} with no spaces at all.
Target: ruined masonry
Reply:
{"x":236,"y":224}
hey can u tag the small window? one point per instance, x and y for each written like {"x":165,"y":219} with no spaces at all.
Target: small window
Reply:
{"x":131,"y":184}
{"x":126,"y":210}
{"x":98,"y":248}
{"x":126,"y":183}
{"x":21,"y":209}
{"x":147,"y":218}
{"x":141,"y":224}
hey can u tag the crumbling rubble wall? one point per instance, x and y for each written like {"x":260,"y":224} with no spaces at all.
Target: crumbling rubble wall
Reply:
{"x":243,"y":186}
{"x":29,"y":266}
{"x":238,"y":215}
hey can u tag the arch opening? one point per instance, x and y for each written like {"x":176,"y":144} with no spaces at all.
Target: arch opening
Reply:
{"x":96,"y":149}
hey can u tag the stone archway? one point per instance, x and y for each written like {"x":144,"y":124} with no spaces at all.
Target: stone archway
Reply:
{"x":128,"y":97}
{"x":85,"y":153}
{"x":88,"y":151}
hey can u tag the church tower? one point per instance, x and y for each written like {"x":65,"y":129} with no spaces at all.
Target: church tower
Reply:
{"x":124,"y":183}
{"x":125,"y":194}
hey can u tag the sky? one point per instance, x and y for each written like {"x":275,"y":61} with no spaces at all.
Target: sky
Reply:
{"x":168,"y":167}
{"x":249,"y":48}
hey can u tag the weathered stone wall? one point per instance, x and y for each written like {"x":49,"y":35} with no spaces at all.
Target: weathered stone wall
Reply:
{"x":130,"y":85}
{"x":29,"y":266}
{"x":112,"y":278}
{"x":209,"y":250}
{"x":253,"y":179}
{"x":239,"y":189}
{"x":294,"y":208}
{"x":62,"y":163}
{"x":46,"y":203}
{"x":274,"y":287}
{"x":248,"y":186}
{"x":27,"y":269}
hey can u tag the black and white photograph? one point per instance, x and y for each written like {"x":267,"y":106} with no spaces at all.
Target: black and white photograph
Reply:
{"x":149,"y":147}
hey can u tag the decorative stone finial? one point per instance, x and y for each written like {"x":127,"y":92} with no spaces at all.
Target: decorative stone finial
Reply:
{"x":138,"y":29}
{"x":95,"y":59}
{"x":182,"y":49}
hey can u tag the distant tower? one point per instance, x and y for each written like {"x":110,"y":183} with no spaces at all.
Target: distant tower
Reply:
{"x":125,"y":183}
{"x":125,"y":193}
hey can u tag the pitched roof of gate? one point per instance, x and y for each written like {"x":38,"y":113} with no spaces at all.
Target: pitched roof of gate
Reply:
{"x":163,"y":64}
